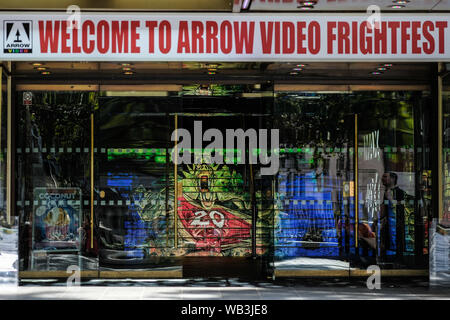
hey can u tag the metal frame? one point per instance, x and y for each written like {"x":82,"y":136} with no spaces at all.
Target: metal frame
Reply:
{"x":436,"y":142}
{"x":280,"y":87}
{"x":9,"y":153}
{"x":175,"y":179}
{"x":8,"y":213}
{"x":92,"y":180}
{"x":440,"y":163}
{"x":356,"y":190}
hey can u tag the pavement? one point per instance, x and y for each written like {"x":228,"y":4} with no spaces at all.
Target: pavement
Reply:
{"x":225,"y":289}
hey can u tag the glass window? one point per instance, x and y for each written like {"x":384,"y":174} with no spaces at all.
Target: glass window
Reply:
{"x":53,"y":180}
{"x":316,"y":200}
{"x":352,"y":189}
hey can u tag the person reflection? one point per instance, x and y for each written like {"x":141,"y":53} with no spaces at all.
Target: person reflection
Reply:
{"x":391,"y":221}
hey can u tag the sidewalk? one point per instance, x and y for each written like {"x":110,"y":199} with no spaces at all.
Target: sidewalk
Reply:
{"x":226,"y":289}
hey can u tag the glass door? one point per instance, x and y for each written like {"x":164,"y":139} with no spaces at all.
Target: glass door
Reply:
{"x":134,"y":188}
{"x":152,"y":212}
{"x":215,"y":209}
{"x":353,"y":188}
{"x":393,"y":178}
{"x":225,"y":206}
{"x":315,"y":203}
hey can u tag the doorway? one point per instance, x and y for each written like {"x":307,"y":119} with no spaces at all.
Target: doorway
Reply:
{"x":214,"y":218}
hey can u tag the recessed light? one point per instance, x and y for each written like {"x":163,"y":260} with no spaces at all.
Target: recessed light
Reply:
{"x":301,"y":65}
{"x":126,"y":64}
{"x":212,"y":65}
{"x":126,"y":69}
{"x":308,"y":3}
{"x":397,"y":6}
{"x":381,"y":69}
{"x":45,"y":72}
{"x":212,"y":69}
{"x":128,"y":72}
{"x":40,"y":68}
{"x":306,"y":7}
{"x":401,"y":1}
{"x":212,"y":72}
{"x":387,"y":65}
{"x":376,"y":72}
{"x":36,"y":64}
{"x":293,"y":73}
{"x":297,"y":69}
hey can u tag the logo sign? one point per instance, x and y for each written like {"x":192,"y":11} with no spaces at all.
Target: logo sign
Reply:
{"x":17,"y":37}
{"x":27,"y":98}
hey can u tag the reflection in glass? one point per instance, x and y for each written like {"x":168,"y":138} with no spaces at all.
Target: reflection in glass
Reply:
{"x":53,"y":169}
{"x":316,"y":188}
{"x":305,"y":216}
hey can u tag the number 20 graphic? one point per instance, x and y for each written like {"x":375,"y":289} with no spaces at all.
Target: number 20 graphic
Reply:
{"x":212,"y":215}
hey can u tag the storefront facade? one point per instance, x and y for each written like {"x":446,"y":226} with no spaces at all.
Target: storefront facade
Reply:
{"x":355,"y":125}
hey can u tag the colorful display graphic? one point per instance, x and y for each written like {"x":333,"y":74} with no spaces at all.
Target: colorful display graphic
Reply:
{"x":305,"y":226}
{"x":213,"y":215}
{"x":56,"y":219}
{"x":213,"y":210}
{"x":146,"y":228}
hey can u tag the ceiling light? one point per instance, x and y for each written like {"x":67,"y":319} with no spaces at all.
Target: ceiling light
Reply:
{"x":246,"y":4}
{"x":401,"y":1}
{"x":127,"y":69}
{"x":293,"y":73}
{"x":212,"y":65}
{"x":40,"y":68}
{"x":387,"y":65}
{"x":36,"y":64}
{"x":126,"y":64}
{"x":397,"y":6}
{"x":128,"y":72}
{"x":376,"y":72}
{"x":297,"y":69}
{"x":211,"y":72}
{"x":45,"y":72}
{"x":301,"y":65}
{"x":308,"y":3}
{"x":306,"y":7}
{"x":381,"y":69}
